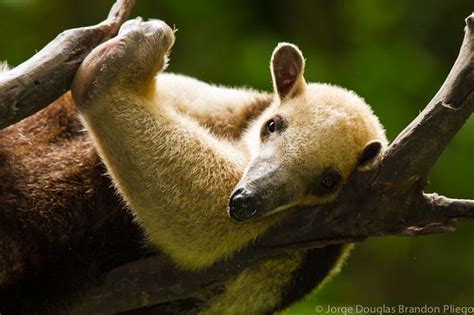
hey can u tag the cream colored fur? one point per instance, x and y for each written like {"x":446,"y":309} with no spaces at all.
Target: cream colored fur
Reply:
{"x":256,"y":289}
{"x":4,"y":67}
{"x":177,"y":176}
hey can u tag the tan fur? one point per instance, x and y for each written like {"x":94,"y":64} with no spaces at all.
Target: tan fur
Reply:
{"x":177,"y":175}
{"x":226,"y":118}
{"x":256,"y":289}
{"x":4,"y":67}
{"x":332,"y":132}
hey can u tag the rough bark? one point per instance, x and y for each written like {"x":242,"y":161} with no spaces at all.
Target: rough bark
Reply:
{"x":46,"y":76}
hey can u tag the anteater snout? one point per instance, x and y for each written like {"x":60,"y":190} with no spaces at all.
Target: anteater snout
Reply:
{"x":244,"y":204}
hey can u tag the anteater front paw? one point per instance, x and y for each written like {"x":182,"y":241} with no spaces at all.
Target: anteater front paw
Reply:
{"x":128,"y":61}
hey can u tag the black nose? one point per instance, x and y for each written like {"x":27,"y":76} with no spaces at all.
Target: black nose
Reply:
{"x":244,"y":204}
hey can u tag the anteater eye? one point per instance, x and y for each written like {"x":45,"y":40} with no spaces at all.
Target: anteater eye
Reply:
{"x":271,"y":126}
{"x":330,"y":180}
{"x":328,"y":183}
{"x":274,"y":125}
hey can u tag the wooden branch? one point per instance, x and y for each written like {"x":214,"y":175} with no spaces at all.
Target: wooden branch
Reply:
{"x":455,"y":208}
{"x":438,"y":123}
{"x":385,"y":200}
{"x":47,"y":75}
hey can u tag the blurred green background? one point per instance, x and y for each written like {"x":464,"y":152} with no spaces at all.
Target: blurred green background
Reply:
{"x":395,"y":54}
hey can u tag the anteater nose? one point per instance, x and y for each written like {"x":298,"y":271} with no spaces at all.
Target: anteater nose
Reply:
{"x":243,"y":204}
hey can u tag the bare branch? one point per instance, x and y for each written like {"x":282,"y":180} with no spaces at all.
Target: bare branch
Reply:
{"x":454,"y":208}
{"x":433,"y":129}
{"x":157,"y":280}
{"x":47,"y":75}
{"x":386,"y":200}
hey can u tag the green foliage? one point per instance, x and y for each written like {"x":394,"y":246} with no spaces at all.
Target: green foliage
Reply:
{"x":394,"y":53}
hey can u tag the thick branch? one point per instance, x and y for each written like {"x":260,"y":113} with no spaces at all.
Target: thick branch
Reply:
{"x":438,"y":123}
{"x":47,"y":75}
{"x":157,"y":280}
{"x":387,"y":200}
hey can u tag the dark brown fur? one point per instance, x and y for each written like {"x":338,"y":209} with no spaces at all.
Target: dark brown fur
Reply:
{"x":232,"y":124}
{"x":61,"y":225}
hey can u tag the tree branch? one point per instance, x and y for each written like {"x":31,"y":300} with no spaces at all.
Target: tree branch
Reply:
{"x":438,"y":123}
{"x":455,"y":208}
{"x":385,"y":200}
{"x":47,"y":75}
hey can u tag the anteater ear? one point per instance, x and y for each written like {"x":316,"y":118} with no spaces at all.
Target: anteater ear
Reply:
{"x":370,"y":154}
{"x":287,"y":67}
